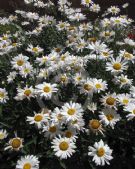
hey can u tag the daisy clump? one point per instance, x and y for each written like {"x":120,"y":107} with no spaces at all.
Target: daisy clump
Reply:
{"x":67,"y":81}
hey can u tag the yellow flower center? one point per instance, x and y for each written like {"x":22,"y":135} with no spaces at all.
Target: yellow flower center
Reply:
{"x":52,"y":129}
{"x":20,"y":62}
{"x":63,"y":78}
{"x":105,"y":54}
{"x":71,"y":111}
{"x":68,"y":134}
{"x":27,"y":92}
{"x":35,"y":49}
{"x":63,"y":146}
{"x":4,"y":38}
{"x":123,"y":80}
{"x":109,"y":117}
{"x":87,"y":87}
{"x":125,"y":101}
{"x":134,"y":111}
{"x":87,"y":1}
{"x":2,"y":135}
{"x":100,"y":152}
{"x":47,"y":89}
{"x":117,"y":66}
{"x":74,"y":122}
{"x":98,"y":86}
{"x":58,"y":49}
{"x":1,"y":95}
{"x":127,"y":55}
{"x":14,"y":44}
{"x":16,"y":143}
{"x":107,"y":34}
{"x":93,"y":39}
{"x":27,"y":166}
{"x":110,"y":101}
{"x":117,"y":21}
{"x":38,"y":117}
{"x":59,"y":117}
{"x":95,"y":124}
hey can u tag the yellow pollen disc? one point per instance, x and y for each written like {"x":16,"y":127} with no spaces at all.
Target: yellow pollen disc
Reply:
{"x":110,"y":101}
{"x":95,"y":124}
{"x":27,"y":166}
{"x":20,"y":62}
{"x":100,"y":152}
{"x":35,"y":49}
{"x":105,"y":54}
{"x":27,"y":92}
{"x":68,"y":134}
{"x":87,"y":1}
{"x":1,"y":95}
{"x":4,"y":38}
{"x":14,"y":44}
{"x":2,"y":135}
{"x":93,"y":39}
{"x":63,"y":57}
{"x":16,"y":143}
{"x":38,"y":117}
{"x":125,"y":101}
{"x":109,"y":117}
{"x":74,"y":122}
{"x":52,"y":129}
{"x":26,"y":70}
{"x":117,"y":21}
{"x":134,"y":111}
{"x":71,"y":111}
{"x":123,"y":80}
{"x":63,"y":78}
{"x":117,"y":66}
{"x":98,"y":86}
{"x":47,"y":89}
{"x":59,"y":117}
{"x":87,"y":87}
{"x":62,"y":25}
{"x":63,"y":146}
{"x":58,"y":49}
{"x":107,"y":34}
{"x":79,"y":78}
{"x":127,"y":55}
{"x":4,"y":46}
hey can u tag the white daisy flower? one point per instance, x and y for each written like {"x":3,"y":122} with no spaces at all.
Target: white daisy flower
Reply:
{"x":86,"y":2}
{"x":124,"y":99}
{"x":96,"y":126}
{"x":72,"y":111}
{"x":34,"y":50}
{"x":52,"y":130}
{"x":3,"y":134}
{"x":109,"y":100}
{"x":19,"y":61}
{"x":116,"y":66}
{"x":27,"y":92}
{"x":97,"y":47}
{"x":3,"y":95}
{"x":109,"y":117}
{"x":46,"y":90}
{"x":87,"y":87}
{"x":28,"y":162}
{"x":101,"y":153}
{"x":26,"y":70}
{"x":15,"y":144}
{"x":113,"y":10}
{"x":57,"y":116}
{"x":63,"y":147}
{"x":99,"y":85}
{"x":130,"y":108}
{"x":38,"y":119}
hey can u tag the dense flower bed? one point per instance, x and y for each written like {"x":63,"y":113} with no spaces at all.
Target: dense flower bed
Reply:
{"x":67,"y":90}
